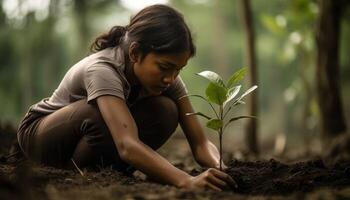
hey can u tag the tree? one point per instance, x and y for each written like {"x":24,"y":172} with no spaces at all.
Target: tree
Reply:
{"x":251,"y":126}
{"x":327,"y":72}
{"x":219,"y":28}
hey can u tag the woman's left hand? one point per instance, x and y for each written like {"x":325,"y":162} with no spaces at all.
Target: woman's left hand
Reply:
{"x":207,"y":155}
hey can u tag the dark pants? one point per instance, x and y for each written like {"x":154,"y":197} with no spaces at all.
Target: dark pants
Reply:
{"x":79,"y":132}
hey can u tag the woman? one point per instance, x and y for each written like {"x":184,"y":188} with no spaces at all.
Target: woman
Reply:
{"x":120,"y":104}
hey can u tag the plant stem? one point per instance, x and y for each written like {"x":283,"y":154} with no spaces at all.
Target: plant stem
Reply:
{"x":220,"y":137}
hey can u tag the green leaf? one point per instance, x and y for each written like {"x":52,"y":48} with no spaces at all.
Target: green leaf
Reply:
{"x":212,"y":77}
{"x":247,"y":92}
{"x":237,"y":76}
{"x":199,"y":96}
{"x":240,"y":117}
{"x":216,"y":94}
{"x":200,"y":114}
{"x":240,"y":102}
{"x":215,"y":124}
{"x":232,"y":92}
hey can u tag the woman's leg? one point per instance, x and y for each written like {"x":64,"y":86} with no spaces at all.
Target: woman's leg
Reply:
{"x":78,"y":132}
{"x":156,"y":119}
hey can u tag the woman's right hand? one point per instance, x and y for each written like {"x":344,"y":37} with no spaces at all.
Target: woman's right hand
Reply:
{"x":211,"y":178}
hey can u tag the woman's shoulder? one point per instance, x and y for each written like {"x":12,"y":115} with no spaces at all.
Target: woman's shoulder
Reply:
{"x":103,"y":60}
{"x":109,"y":56}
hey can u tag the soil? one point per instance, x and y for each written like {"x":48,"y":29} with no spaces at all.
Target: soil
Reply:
{"x":264,"y":179}
{"x":275,"y":178}
{"x":260,"y":179}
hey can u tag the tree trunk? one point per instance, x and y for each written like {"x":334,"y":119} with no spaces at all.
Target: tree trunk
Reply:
{"x":251,"y":126}
{"x":219,"y":52}
{"x":327,"y":72}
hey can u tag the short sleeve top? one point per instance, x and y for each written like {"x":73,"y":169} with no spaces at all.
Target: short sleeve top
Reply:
{"x":101,"y":73}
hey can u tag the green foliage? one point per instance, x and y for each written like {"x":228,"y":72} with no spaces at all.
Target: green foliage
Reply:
{"x":274,"y":24}
{"x":36,"y":50}
{"x":232,"y":93}
{"x":219,"y":93}
{"x":35,"y":53}
{"x":200,"y":114}
{"x":212,"y":77}
{"x":216,"y":94}
{"x":292,"y":27}
{"x":237,"y":118}
{"x":215,"y":124}
{"x":247,"y":92}
{"x":236,"y":77}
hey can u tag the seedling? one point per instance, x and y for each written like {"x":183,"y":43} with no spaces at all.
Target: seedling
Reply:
{"x":223,"y":95}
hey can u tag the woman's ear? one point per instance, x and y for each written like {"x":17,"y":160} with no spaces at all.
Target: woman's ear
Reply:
{"x":134,"y":54}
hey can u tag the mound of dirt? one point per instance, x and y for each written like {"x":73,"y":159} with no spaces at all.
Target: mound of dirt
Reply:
{"x":275,"y":178}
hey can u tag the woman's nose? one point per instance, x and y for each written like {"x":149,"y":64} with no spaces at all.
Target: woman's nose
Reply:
{"x":169,"y":78}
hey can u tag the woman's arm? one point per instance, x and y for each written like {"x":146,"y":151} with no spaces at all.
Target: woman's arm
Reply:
{"x":133,"y":151}
{"x":204,"y":151}
{"x":123,"y":128}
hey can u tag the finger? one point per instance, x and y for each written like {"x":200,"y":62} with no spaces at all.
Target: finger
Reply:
{"x":218,"y":173}
{"x":211,"y":186}
{"x":231,"y":182}
{"x":223,"y":176}
{"x":216,"y":181}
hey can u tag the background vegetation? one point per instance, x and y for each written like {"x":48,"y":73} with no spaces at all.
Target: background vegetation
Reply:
{"x":41,"y":39}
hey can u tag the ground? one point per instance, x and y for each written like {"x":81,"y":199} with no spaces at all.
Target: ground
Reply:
{"x":262,"y":178}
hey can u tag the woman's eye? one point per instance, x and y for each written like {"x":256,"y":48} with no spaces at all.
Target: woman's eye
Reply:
{"x":163,"y":68}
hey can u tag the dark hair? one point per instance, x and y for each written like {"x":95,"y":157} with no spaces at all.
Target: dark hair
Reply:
{"x":158,"y":28}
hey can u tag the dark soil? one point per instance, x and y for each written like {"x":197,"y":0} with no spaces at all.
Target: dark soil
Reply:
{"x":273,"y":177}
{"x":262,"y":179}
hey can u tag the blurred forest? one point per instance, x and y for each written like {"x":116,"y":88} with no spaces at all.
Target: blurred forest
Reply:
{"x":41,"y":39}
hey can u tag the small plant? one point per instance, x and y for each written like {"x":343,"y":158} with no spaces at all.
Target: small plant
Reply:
{"x":224,"y":95}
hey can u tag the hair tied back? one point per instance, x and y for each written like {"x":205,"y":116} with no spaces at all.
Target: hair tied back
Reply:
{"x":110,"y":39}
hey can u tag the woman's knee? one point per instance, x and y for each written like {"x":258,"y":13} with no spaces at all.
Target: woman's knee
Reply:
{"x":167,"y":112}
{"x":156,"y":113}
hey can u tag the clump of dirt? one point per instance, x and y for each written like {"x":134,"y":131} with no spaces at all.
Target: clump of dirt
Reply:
{"x":276,"y":178}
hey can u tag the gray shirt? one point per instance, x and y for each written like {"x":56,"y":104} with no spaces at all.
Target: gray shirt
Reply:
{"x":101,"y":73}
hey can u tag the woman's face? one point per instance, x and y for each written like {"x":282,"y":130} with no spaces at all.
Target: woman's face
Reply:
{"x":156,"y":72}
